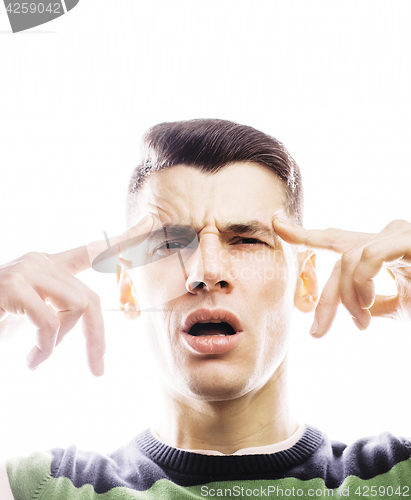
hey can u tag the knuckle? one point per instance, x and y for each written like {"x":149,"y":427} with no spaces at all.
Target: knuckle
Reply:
{"x":347,"y":257}
{"x":398,"y":224}
{"x":13,"y":279}
{"x":36,"y":257}
{"x":368,"y":253}
{"x":24,"y":266}
{"x":332,"y":234}
{"x":15,"y":274}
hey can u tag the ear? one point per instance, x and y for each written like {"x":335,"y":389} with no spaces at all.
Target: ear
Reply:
{"x":128,"y":301}
{"x":306,"y":292}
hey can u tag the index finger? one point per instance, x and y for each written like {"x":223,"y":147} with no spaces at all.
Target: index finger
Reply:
{"x":93,"y":331}
{"x":81,"y":258}
{"x":334,"y":239}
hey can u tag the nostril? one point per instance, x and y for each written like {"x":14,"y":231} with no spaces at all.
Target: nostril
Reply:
{"x":196,"y":284}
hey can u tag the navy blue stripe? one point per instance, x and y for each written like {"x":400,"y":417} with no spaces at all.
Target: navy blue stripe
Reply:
{"x":143,"y":461}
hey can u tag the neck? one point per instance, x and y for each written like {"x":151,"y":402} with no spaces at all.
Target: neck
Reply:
{"x":258,"y":418}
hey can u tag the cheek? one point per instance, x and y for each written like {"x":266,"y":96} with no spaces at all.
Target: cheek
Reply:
{"x":267,"y":272}
{"x":268,"y":287}
{"x":152,"y":324}
{"x":157,"y":283}
{"x":279,"y":290}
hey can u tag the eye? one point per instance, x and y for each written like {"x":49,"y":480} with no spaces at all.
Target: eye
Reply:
{"x":250,"y":241}
{"x":170,"y":247}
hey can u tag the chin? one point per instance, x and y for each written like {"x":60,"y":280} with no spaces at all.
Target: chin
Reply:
{"x":217,"y":393}
{"x":217,"y":387}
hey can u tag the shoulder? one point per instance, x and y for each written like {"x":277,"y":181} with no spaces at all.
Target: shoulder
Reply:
{"x":383,"y":456}
{"x":66,"y":472}
{"x":24,"y":475}
{"x":378,"y":454}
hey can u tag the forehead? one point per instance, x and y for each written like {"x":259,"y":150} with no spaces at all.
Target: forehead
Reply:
{"x":237,"y":192}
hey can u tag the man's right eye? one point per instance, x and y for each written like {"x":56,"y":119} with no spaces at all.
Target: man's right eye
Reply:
{"x":169,"y":247}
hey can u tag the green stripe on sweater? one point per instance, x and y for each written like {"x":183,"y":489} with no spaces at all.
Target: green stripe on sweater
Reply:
{"x":30,"y":480}
{"x":28,"y":475}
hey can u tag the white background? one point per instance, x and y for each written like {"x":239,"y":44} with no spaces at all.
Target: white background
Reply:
{"x":330,"y":79}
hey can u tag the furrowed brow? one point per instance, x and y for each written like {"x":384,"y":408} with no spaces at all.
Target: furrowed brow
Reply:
{"x":253,"y":227}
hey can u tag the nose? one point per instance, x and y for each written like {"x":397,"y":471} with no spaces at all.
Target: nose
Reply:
{"x":209,"y":268}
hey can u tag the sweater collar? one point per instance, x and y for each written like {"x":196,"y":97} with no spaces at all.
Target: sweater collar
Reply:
{"x":253,"y":450}
{"x":184,"y":462}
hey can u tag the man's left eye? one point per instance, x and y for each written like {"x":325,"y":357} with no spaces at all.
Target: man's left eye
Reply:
{"x":250,"y":241}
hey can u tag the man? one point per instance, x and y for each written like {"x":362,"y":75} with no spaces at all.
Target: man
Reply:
{"x":213,"y":263}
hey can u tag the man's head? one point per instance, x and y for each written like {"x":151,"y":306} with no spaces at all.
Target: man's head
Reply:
{"x":223,"y":182}
{"x":209,"y":145}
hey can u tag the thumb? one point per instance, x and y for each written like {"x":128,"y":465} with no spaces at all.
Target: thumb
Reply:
{"x":385,"y":306}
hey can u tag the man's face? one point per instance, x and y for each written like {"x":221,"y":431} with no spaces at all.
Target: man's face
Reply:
{"x":250,"y":275}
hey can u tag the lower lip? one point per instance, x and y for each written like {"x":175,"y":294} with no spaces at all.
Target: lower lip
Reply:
{"x":212,"y":344}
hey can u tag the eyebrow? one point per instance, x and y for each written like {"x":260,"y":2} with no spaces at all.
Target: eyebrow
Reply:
{"x":251,"y":227}
{"x":171,"y":230}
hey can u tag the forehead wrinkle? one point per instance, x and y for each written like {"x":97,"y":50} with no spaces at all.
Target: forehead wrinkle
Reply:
{"x":167,"y":210}
{"x":252,"y":227}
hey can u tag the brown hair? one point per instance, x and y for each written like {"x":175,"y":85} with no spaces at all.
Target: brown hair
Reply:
{"x":211,"y":144}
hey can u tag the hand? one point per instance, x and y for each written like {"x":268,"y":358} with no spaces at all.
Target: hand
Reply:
{"x":43,"y":288}
{"x":351,"y":281}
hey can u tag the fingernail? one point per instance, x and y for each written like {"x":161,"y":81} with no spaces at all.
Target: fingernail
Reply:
{"x":101,"y":367}
{"x":314,"y":327}
{"x":282,"y":221}
{"x":358,"y":324}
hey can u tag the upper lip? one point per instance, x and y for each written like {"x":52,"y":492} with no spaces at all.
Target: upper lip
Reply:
{"x":209,"y":314}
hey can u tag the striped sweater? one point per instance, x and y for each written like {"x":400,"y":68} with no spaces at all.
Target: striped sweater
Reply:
{"x":147,"y":469}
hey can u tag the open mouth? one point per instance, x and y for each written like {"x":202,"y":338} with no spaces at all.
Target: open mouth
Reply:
{"x":211,"y":331}
{"x":217,"y":328}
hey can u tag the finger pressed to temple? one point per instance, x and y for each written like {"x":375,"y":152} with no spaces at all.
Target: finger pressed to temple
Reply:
{"x":333,"y":239}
